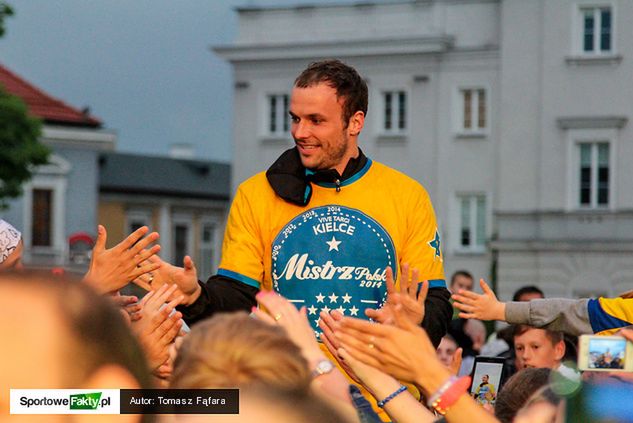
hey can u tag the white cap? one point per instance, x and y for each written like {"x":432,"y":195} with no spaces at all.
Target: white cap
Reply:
{"x":9,"y":240}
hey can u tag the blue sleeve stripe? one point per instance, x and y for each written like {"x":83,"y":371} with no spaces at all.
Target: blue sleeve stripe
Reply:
{"x":600,"y":320}
{"x":239,"y":277}
{"x":437,"y":283}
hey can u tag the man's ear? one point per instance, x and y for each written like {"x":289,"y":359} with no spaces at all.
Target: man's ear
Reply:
{"x":356,"y":123}
{"x":559,"y":350}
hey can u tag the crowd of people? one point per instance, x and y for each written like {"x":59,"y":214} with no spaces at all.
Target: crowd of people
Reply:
{"x":329,"y":304}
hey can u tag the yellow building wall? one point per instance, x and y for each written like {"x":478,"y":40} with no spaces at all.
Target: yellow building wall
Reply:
{"x":112,"y":216}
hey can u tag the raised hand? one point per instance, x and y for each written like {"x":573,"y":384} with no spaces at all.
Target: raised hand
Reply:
{"x":329,"y":323}
{"x":158,"y":327}
{"x":128,"y":304}
{"x":112,"y":269}
{"x":407,"y":295}
{"x":479,"y":306}
{"x":185,"y":278}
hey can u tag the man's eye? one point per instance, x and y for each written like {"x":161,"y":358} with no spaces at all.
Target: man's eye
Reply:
{"x":316,"y":121}
{"x":294,"y":119}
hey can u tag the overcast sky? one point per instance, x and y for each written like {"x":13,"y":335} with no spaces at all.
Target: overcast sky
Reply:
{"x":144,"y":67}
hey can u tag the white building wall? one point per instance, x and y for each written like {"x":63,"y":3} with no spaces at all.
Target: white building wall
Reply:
{"x":541,"y":98}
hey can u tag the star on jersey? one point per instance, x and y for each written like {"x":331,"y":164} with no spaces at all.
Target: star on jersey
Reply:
{"x":435,"y":244}
{"x":326,"y":309}
{"x":341,"y":310}
{"x":346,"y":298}
{"x":333,"y":298}
{"x":333,"y":244}
{"x":320,"y":298}
{"x":312,"y":309}
{"x":353,"y":311}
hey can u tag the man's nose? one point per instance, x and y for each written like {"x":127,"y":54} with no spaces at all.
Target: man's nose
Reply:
{"x":300,"y":131}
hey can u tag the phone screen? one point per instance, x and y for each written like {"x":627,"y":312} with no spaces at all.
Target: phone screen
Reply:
{"x":487,"y":373}
{"x":606,"y":353}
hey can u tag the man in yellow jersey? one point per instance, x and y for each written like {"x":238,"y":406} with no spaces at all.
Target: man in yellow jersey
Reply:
{"x":321,"y":226}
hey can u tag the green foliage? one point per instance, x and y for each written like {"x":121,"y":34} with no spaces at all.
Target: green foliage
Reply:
{"x":5,"y":11}
{"x":20,"y":148}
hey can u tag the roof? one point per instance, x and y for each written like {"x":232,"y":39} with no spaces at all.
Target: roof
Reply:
{"x":43,"y":105}
{"x":155,"y":175}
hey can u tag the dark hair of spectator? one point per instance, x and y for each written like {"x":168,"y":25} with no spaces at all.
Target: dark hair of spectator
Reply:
{"x":553,"y":336}
{"x":529,"y":289}
{"x":517,"y":390}
{"x":344,"y":79}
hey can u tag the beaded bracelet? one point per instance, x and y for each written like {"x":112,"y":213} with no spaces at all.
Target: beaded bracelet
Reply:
{"x":449,"y":393}
{"x":398,"y":391}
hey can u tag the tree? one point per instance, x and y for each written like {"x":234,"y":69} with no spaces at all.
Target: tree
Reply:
{"x":20,"y":148}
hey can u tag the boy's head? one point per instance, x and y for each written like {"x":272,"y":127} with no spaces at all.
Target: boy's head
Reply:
{"x":538,"y":348}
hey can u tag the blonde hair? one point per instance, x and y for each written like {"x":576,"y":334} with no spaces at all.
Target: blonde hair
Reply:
{"x":234,"y":350}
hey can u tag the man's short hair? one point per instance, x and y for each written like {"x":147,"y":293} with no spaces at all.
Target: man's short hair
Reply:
{"x":553,"y":336}
{"x":529,"y":289}
{"x":463,"y":273}
{"x":343,"y":78}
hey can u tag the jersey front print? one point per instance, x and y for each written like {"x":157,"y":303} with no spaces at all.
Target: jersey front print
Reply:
{"x":332,"y":258}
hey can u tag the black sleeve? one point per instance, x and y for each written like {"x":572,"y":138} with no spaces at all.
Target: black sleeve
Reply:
{"x":219,"y":294}
{"x":437,"y":315}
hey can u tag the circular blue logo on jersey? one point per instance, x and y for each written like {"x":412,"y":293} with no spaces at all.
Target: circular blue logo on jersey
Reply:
{"x":332,"y":258}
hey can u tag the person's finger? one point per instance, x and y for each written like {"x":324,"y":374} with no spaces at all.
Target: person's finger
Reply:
{"x":364,"y":326}
{"x":142,"y":257}
{"x":156,"y":300}
{"x":391,"y":285}
{"x":147,"y":297}
{"x":464,"y":299}
{"x":337,"y":316}
{"x":102,"y":236}
{"x":413,"y":286}
{"x":467,"y":308}
{"x":423,"y":291}
{"x":326,"y":323}
{"x":188,"y":263}
{"x":456,"y":362}
{"x":263,"y":316}
{"x":133,"y":308}
{"x":469,"y":294}
{"x":171,"y":334}
{"x":173,"y":303}
{"x":125,"y":300}
{"x":379,"y":315}
{"x":405,"y":280}
{"x":166,"y":293}
{"x":144,"y":243}
{"x":486,"y":289}
{"x":627,"y":333}
{"x":133,"y":238}
{"x":467,"y":315}
{"x":354,"y":340}
{"x":138,"y":271}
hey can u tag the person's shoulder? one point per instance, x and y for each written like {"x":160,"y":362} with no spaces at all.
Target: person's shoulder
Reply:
{"x":255,"y":182}
{"x":396,"y":178}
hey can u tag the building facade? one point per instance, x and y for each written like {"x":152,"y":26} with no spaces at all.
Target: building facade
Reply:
{"x":513,"y":114}
{"x":58,"y":210}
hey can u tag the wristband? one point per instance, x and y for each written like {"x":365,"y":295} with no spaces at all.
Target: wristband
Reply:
{"x":398,"y":391}
{"x":449,"y":393}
